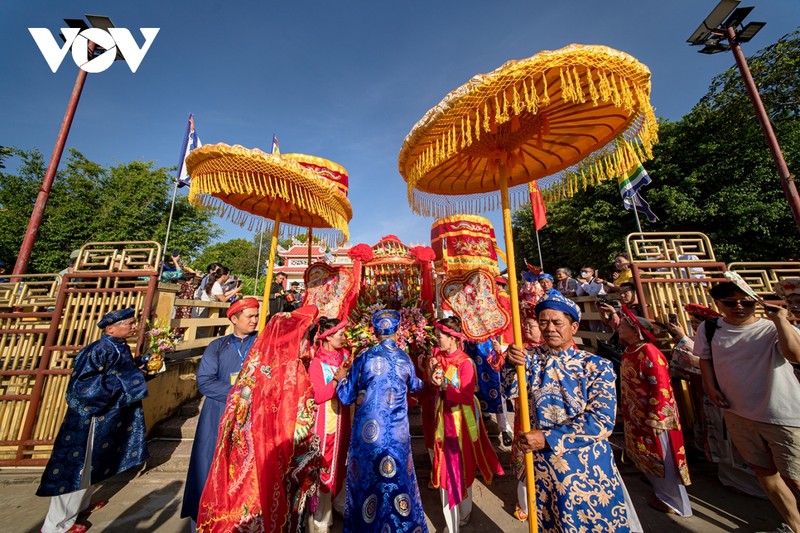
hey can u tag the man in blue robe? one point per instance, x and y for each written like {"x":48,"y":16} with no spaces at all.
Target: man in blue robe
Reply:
{"x":103,"y":432}
{"x":573,"y":405}
{"x":381,"y":488}
{"x":219,"y":367}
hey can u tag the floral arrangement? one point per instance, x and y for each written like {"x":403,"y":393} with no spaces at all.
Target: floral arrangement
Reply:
{"x":414,"y":335}
{"x":161,"y":340}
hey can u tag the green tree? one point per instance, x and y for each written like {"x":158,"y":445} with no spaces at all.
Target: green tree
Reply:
{"x":89,"y":202}
{"x":712,"y":172}
{"x":239,"y":255}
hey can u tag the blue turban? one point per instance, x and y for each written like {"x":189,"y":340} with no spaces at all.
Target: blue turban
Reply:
{"x":386,"y":321}
{"x":558,"y":302}
{"x":115,"y":316}
{"x":545,"y":276}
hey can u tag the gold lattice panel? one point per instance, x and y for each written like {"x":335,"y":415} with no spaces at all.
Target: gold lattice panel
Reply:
{"x":667,"y":288}
{"x":118,"y":256}
{"x":762,"y":277}
{"x":668,"y":246}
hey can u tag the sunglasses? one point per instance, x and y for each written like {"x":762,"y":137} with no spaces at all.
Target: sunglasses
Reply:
{"x":734,"y":303}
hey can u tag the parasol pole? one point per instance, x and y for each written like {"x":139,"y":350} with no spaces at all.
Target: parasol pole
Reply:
{"x":258,"y":260}
{"x":309,"y":247}
{"x":524,"y":413}
{"x":273,"y":248}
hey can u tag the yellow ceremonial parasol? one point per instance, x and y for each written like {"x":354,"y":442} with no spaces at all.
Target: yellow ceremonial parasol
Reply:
{"x":240,"y":182}
{"x":581,"y":113}
{"x":326,"y":170}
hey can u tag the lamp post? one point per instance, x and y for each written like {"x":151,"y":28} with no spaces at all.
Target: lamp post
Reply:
{"x":24,"y":255}
{"x":725,"y":23}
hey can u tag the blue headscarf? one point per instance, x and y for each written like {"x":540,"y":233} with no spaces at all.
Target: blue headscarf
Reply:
{"x":545,"y":276}
{"x":558,"y":302}
{"x":530,"y":277}
{"x":386,"y":321}
{"x":115,"y":316}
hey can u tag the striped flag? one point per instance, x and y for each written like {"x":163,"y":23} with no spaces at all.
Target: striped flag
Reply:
{"x":629,"y":186}
{"x":538,"y":207}
{"x":276,"y":150}
{"x":190,"y":142}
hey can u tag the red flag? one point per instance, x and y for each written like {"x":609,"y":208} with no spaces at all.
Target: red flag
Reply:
{"x":537,"y":206}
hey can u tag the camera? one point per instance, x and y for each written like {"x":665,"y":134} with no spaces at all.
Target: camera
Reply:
{"x":602,"y":300}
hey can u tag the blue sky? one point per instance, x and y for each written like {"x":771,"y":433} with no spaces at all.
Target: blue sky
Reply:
{"x":341,"y":80}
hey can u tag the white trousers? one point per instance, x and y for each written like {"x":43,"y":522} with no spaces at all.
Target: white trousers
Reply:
{"x":322,"y":518}
{"x":669,"y":488}
{"x":501,"y":417}
{"x":453,"y":515}
{"x":64,"y":509}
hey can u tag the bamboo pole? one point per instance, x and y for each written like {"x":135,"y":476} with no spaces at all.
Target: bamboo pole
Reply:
{"x":525,"y":418}
{"x":273,"y":248}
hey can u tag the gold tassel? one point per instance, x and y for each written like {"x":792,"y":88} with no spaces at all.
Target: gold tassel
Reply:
{"x":566,"y":92}
{"x":545,"y":96}
{"x":615,"y":91}
{"x":469,"y":131}
{"x":578,"y":90}
{"x":463,"y":134}
{"x":604,"y":85}
{"x":486,"y":119}
{"x":532,"y":99}
{"x":517,"y":102}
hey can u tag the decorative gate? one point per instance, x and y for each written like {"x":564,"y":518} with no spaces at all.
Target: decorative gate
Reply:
{"x":45,"y":320}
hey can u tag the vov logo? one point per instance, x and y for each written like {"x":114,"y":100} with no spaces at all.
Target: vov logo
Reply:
{"x":110,"y":41}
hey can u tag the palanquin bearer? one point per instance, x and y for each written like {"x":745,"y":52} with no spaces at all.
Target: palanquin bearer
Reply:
{"x":103,"y":432}
{"x":573,"y":406}
{"x":219,"y":367}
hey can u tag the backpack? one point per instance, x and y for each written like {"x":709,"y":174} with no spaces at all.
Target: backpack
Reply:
{"x":711,"y":328}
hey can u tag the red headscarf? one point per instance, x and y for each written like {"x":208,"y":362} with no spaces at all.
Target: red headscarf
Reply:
{"x":266,"y":427}
{"x":241,"y":305}
{"x":701,"y":311}
{"x":642,"y":325}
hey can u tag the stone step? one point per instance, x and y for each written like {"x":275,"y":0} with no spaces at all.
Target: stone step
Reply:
{"x":168,"y":455}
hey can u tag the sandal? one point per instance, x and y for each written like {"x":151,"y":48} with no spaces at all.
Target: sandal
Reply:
{"x":96,"y":506}
{"x":519,"y":514}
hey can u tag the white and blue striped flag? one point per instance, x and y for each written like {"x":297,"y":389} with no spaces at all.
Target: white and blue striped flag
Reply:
{"x":190,"y":142}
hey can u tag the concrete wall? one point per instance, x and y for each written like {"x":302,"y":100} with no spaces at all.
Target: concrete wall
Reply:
{"x":168,"y":391}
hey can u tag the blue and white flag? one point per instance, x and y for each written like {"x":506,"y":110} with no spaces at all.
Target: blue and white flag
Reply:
{"x":629,"y":189}
{"x":276,"y":150}
{"x":191,"y":141}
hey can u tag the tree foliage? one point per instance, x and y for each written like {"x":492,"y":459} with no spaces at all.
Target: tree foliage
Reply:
{"x":712,"y":172}
{"x":88,"y":202}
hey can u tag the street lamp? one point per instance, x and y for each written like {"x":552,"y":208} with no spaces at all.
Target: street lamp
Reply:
{"x":28,"y":241}
{"x":724,"y":23}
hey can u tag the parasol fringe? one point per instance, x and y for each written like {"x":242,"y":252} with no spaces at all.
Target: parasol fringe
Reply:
{"x":545,"y":95}
{"x":486,"y":125}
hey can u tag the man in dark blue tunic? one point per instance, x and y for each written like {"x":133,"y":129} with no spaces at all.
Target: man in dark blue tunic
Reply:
{"x":216,"y":375}
{"x":103,"y":432}
{"x":381,"y":490}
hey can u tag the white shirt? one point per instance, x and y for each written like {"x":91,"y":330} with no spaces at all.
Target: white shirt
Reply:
{"x":756,"y":379}
{"x":589,"y":288}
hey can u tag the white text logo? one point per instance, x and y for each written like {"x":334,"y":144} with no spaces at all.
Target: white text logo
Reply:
{"x":110,"y":40}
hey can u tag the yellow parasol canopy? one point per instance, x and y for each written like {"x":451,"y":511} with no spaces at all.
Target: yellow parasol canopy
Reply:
{"x":581,"y":111}
{"x":538,"y":117}
{"x":241,"y":182}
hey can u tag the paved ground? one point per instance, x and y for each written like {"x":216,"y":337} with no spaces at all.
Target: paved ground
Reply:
{"x":151,"y":500}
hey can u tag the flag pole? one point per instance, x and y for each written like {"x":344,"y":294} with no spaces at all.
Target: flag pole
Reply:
{"x":169,"y":227}
{"x":636,"y":213}
{"x":258,"y":261}
{"x":539,"y":247}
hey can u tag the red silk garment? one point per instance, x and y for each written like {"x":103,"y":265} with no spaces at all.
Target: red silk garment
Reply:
{"x":461,"y":443}
{"x":332,"y":421}
{"x":267,"y":459}
{"x":648,"y":409}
